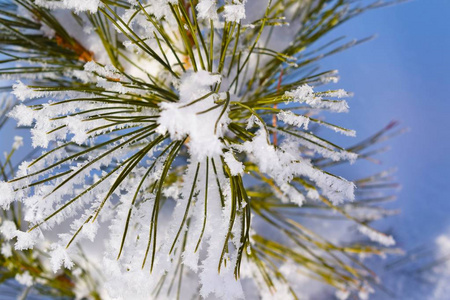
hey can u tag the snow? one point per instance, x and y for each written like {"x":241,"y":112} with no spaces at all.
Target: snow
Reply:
{"x":326,"y":150}
{"x":78,"y":5}
{"x":23,"y":92}
{"x":25,"y":279}
{"x":182,"y":119}
{"x":107,"y":71}
{"x":306,"y":94}
{"x":236,"y":167}
{"x":59,"y":257}
{"x":6,"y":249}
{"x":18,"y":142}
{"x":235,"y":12}
{"x":207,"y":9}
{"x":282,"y":164}
{"x":6,"y":195}
{"x":347,"y":132}
{"x":290,"y":118}
{"x":376,"y":236}
{"x":27,"y":240}
{"x":8,"y":229}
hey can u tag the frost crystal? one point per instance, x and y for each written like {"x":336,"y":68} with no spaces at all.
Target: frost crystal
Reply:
{"x":196,"y":115}
{"x":305,"y":94}
{"x":8,"y":229}
{"x":78,"y":5}
{"x":235,"y":12}
{"x":6,"y":250}
{"x":18,"y":142}
{"x":6,"y":195}
{"x":23,"y":114}
{"x":25,"y":279}
{"x":207,"y":9}
{"x":292,"y":119}
{"x":376,"y":236}
{"x":58,"y":257}
{"x":23,"y":92}
{"x":236,"y":167}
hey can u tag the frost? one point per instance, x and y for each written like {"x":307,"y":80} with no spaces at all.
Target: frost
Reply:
{"x":236,"y":167}
{"x":282,"y":164}
{"x":441,"y":269}
{"x":326,"y":150}
{"x":365,"y":292}
{"x":8,"y":229}
{"x":90,"y":230}
{"x":290,"y":118}
{"x":251,"y":122}
{"x":336,"y":94}
{"x":235,"y":12}
{"x":78,"y":128}
{"x":305,"y":94}
{"x":23,"y":92}
{"x":106,"y":71}
{"x":25,"y":279}
{"x":313,"y":194}
{"x":59,"y":257}
{"x":292,"y":194}
{"x":347,"y":132}
{"x":18,"y":142}
{"x":190,"y":116}
{"x":207,"y":9}
{"x":6,"y":195}
{"x":377,"y":236}
{"x":27,"y":240}
{"x":6,"y":250}
{"x":78,"y":5}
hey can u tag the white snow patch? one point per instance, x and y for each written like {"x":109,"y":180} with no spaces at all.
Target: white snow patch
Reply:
{"x":24,"y":278}
{"x":59,"y":256}
{"x":236,"y":167}
{"x":6,"y":195}
{"x":376,"y":236}
{"x":305,"y":94}
{"x":8,"y":229}
{"x":207,"y":9}
{"x":78,"y":5}
{"x":235,"y":12}
{"x":290,"y":118}
{"x":185,"y":118}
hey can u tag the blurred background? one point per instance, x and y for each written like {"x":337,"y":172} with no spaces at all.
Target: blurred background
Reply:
{"x":403,"y":74}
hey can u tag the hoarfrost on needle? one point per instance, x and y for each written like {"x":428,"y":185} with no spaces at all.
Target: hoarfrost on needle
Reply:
{"x":196,"y":115}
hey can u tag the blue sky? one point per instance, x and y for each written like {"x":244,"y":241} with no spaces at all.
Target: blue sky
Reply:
{"x":404,"y":75}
